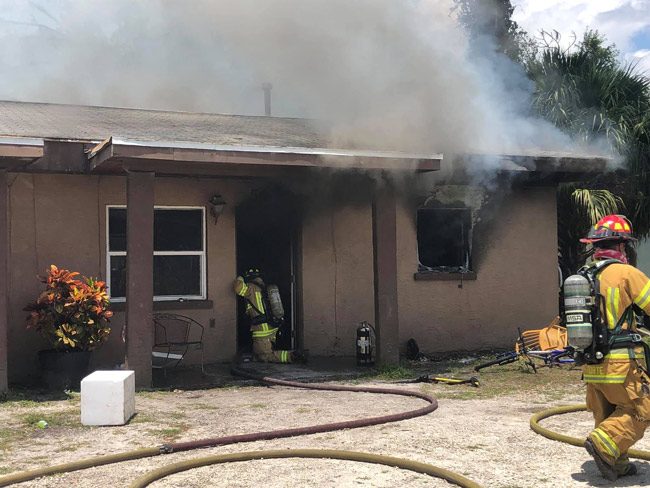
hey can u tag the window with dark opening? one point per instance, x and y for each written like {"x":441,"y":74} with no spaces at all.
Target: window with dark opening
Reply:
{"x":178,"y":257}
{"x":444,"y":237}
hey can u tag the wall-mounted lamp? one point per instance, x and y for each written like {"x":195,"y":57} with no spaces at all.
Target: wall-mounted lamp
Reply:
{"x":217,"y":205}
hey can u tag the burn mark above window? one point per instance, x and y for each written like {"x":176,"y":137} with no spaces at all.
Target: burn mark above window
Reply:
{"x":444,"y":239}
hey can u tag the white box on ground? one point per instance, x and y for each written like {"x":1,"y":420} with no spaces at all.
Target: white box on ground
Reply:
{"x":108,"y":397}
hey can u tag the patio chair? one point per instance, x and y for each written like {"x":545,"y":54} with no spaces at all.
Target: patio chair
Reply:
{"x":174,"y":336}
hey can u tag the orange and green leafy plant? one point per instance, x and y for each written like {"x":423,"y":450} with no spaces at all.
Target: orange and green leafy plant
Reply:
{"x":72,"y":313}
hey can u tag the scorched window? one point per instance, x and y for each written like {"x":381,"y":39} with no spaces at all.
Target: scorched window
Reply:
{"x":444,"y":237}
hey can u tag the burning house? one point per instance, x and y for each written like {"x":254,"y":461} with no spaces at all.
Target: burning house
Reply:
{"x":185,"y":201}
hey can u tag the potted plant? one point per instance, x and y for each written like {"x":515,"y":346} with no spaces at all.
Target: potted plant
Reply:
{"x":72,"y":314}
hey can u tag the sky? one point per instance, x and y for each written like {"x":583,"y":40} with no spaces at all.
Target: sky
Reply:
{"x":626,"y":23}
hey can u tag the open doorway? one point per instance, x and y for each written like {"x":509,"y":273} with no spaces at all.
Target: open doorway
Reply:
{"x":266,"y":226}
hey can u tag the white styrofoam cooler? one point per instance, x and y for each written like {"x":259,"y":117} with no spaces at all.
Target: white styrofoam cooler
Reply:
{"x":108,"y":397}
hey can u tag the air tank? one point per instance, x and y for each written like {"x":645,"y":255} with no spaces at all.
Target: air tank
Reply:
{"x":275,"y":301}
{"x":578,"y":305}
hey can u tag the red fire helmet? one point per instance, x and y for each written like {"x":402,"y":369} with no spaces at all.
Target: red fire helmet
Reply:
{"x":610,"y":228}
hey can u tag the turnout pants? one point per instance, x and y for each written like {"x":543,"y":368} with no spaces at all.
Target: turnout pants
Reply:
{"x":263,"y":350}
{"x":621,"y":415}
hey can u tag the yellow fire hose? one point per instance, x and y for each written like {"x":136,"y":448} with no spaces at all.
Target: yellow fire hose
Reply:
{"x":305,"y":453}
{"x":243,"y":456}
{"x":574,"y":441}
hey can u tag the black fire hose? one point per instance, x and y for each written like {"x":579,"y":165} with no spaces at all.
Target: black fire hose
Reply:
{"x":220,"y":441}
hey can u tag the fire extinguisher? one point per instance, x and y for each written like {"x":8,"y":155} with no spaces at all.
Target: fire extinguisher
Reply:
{"x":365,"y":344}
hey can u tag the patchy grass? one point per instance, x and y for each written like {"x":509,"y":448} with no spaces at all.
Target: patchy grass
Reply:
{"x":203,"y":406}
{"x":304,"y":410}
{"x":63,"y":418}
{"x":508,"y":379}
{"x":169,"y":433}
{"x":390,"y":373}
{"x":5,"y":470}
{"x":142,"y":418}
{"x":176,"y":415}
{"x":256,"y":405}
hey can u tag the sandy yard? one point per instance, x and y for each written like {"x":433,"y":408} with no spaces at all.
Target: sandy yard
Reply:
{"x":482,"y":433}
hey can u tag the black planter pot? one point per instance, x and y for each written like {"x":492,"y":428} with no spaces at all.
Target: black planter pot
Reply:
{"x":63,"y":370}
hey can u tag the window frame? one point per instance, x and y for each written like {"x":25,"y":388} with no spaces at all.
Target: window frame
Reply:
{"x":202,"y":254}
{"x":467,"y":241}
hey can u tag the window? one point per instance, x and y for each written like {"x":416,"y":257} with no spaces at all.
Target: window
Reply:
{"x":178,"y":257}
{"x":444,"y":237}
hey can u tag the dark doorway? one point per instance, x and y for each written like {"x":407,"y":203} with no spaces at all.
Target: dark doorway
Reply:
{"x":266,"y":226}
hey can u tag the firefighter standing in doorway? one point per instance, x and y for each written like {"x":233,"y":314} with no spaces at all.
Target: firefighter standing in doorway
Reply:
{"x":618,"y":387}
{"x":251,"y":287}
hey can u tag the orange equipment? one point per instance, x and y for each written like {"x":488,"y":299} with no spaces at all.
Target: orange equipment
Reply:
{"x":553,"y":337}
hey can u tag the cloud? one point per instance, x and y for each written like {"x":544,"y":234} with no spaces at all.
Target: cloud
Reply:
{"x":619,"y":20}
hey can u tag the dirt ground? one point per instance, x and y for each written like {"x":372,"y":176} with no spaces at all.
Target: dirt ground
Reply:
{"x":482,"y":433}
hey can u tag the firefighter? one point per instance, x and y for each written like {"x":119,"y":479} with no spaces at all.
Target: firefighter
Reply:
{"x":618,"y":392}
{"x":251,"y":286}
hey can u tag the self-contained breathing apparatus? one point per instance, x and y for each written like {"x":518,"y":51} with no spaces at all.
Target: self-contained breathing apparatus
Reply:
{"x":273,"y":312}
{"x":588,"y":334}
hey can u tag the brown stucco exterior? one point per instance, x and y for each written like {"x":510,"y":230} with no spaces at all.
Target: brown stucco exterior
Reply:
{"x":516,"y":281}
{"x":61,"y":219}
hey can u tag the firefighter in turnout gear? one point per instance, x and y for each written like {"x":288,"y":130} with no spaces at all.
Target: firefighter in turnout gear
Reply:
{"x":618,"y":385}
{"x":251,"y":288}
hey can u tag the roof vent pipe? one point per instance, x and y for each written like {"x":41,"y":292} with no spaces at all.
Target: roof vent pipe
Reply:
{"x":267,"y":97}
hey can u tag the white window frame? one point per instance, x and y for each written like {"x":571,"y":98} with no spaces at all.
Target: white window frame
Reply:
{"x":202,"y":254}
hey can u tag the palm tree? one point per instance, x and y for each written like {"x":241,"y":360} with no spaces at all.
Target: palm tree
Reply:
{"x":585,"y":91}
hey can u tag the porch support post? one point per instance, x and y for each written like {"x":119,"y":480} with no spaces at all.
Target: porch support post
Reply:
{"x":139,"y":272}
{"x":4,"y":277}
{"x":384,"y":218}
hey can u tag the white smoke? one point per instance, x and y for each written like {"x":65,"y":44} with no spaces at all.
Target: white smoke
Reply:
{"x":385,"y":73}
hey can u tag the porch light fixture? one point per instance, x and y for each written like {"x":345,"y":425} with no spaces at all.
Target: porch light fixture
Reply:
{"x":217,"y":206}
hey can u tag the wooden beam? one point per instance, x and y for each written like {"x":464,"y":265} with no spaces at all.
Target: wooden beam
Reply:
{"x":384,"y":219}
{"x":139,"y":273}
{"x":4,"y":277}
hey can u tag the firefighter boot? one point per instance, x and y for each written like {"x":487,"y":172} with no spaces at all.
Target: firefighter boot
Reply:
{"x":300,"y":356}
{"x":624,"y":467}
{"x":606,"y":469}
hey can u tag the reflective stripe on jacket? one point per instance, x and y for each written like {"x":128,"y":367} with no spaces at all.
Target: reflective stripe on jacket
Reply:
{"x":621,"y":286}
{"x":254,"y":307}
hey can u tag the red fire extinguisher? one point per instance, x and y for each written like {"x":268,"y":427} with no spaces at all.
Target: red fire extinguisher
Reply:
{"x":365,"y":344}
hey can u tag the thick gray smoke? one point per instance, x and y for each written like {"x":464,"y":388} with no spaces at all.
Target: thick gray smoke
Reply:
{"x":385,"y":73}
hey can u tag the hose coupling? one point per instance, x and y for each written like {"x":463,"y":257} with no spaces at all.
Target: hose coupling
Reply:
{"x":166,"y":449}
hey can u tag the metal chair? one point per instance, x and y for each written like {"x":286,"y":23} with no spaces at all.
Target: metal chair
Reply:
{"x":174,"y":336}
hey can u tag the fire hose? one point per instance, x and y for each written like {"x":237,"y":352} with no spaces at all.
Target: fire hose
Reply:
{"x":574,"y":441}
{"x":275,"y":434}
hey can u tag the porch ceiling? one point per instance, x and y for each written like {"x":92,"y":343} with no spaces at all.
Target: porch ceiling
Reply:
{"x":115,"y":155}
{"x":18,"y":152}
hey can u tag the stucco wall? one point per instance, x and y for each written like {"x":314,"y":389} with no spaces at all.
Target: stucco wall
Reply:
{"x":516,"y":283}
{"x":61,"y":219}
{"x":338,"y":281}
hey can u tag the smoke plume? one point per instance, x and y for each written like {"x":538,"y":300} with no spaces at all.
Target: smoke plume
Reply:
{"x":384,"y":74}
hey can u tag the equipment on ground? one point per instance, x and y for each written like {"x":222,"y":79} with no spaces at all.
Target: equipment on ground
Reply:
{"x":548,"y":345}
{"x":365,"y":344}
{"x":473,"y":381}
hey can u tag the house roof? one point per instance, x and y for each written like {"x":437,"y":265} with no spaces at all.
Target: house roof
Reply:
{"x":116,"y":138}
{"x":121,"y":134}
{"x":95,"y":124}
